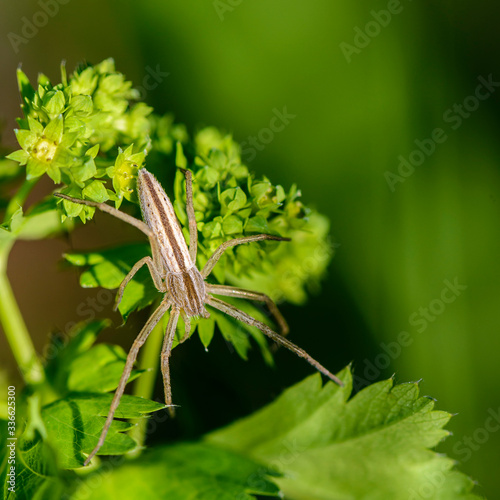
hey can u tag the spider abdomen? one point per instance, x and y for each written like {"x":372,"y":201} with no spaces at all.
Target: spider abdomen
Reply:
{"x":187,"y":290}
{"x":158,"y":213}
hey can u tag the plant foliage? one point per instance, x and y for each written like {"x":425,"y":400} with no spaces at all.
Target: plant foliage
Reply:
{"x":90,"y":135}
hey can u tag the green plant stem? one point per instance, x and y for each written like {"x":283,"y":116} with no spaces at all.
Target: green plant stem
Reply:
{"x":19,"y":197}
{"x":144,"y":386}
{"x":16,"y":331}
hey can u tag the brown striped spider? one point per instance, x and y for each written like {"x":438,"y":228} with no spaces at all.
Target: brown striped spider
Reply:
{"x":172,"y":267}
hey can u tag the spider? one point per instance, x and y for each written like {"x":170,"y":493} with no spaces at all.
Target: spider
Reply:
{"x":172,"y":267}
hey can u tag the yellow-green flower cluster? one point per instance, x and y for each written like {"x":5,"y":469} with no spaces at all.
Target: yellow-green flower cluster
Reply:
{"x":89,"y":134}
{"x":76,"y":132}
{"x":230,"y":202}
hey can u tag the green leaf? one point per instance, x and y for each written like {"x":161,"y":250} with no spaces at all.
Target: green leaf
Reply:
{"x":35,"y":168}
{"x":15,"y":222}
{"x":185,"y":471}
{"x":109,"y":267}
{"x":252,"y":331}
{"x":54,"y":102}
{"x":54,"y":130}
{"x":25,"y":88}
{"x":42,"y":221}
{"x":63,"y":357}
{"x":233,"y":332}
{"x":377,"y":445}
{"x":84,"y":172}
{"x":26,"y":138}
{"x":74,"y":425}
{"x":206,"y":329}
{"x":180,"y":158}
{"x":36,"y":472}
{"x":98,"y":370}
{"x":82,"y":105}
{"x":96,"y":191}
{"x":233,"y":199}
{"x":232,"y":225}
{"x":257,"y":224}
{"x":9,"y":168}
{"x":20,"y":156}
{"x":35,"y":126}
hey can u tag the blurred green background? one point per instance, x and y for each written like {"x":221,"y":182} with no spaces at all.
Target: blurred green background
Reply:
{"x":359,"y":102}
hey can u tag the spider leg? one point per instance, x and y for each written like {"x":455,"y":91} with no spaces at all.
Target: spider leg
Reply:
{"x":231,"y":243}
{"x":230,"y":310}
{"x":165,"y":357}
{"x":232,"y":291}
{"x":139,"y":224}
{"x":132,"y":356}
{"x":187,"y":326}
{"x":193,"y":229}
{"x":155,"y":274}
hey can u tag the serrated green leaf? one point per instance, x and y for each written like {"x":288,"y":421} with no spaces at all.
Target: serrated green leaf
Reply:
{"x":181,"y":472}
{"x":74,"y":425}
{"x":36,"y":472}
{"x":374,"y":446}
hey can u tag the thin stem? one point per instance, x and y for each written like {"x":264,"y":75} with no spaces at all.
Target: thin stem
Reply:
{"x":15,"y":330}
{"x":19,"y":197}
{"x":149,"y":359}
